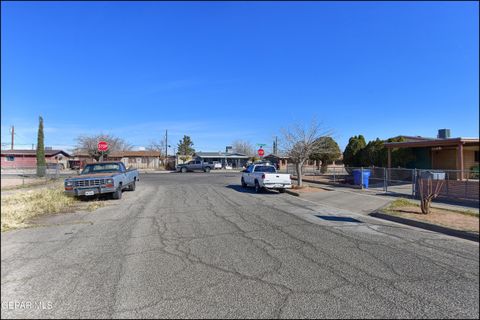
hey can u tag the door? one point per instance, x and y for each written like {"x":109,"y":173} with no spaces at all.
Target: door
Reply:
{"x":248,"y":176}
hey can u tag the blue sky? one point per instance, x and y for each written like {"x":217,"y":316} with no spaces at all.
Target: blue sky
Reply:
{"x":237,"y":70}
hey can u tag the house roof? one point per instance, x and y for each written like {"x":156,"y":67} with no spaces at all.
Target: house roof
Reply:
{"x":432,"y":142}
{"x":29,"y":152}
{"x":221,"y":155}
{"x":271,"y":155}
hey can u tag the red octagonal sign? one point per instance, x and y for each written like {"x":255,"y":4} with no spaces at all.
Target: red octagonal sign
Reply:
{"x":102,"y":146}
{"x":261,"y":152}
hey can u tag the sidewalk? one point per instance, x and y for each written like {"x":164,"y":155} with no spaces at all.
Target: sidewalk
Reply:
{"x":365,"y":201}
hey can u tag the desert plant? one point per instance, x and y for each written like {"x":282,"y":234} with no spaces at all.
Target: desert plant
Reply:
{"x":428,"y":191}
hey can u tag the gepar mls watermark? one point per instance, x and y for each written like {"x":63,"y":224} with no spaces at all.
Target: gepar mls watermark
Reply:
{"x":26,"y":305}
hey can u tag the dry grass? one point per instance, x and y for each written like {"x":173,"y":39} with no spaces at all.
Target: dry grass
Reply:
{"x":18,"y":208}
{"x":456,"y":219}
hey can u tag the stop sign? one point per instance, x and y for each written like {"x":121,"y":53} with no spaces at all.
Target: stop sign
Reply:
{"x":102,"y":146}
{"x":261,"y":153}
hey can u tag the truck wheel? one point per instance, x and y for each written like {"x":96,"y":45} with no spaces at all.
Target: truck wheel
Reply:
{"x":257,"y":187}
{"x":207,"y":169}
{"x":281,"y":190}
{"x":183,"y":170}
{"x":244,"y":185}
{"x":132,"y":186}
{"x":117,"y":194}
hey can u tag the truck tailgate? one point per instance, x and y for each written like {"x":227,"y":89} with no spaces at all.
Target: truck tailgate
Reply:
{"x":277,"y":178}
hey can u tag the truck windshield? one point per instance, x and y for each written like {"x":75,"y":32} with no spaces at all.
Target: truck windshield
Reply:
{"x":267,"y":169}
{"x":101,"y":168}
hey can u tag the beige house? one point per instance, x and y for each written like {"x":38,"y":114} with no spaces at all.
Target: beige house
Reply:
{"x":441,"y":153}
{"x":143,"y":159}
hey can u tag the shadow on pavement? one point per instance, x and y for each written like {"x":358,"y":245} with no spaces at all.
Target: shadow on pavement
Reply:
{"x":241,"y":189}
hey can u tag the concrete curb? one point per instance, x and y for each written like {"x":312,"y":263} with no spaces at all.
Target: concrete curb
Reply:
{"x":293,"y":193}
{"x":428,"y":226}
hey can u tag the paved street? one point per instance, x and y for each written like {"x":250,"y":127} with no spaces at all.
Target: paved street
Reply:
{"x":197,"y":245}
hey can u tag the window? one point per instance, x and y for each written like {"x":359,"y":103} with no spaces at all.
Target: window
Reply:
{"x":10,"y":158}
{"x":267,"y":169}
{"x":103,"y":167}
{"x":476,"y":156}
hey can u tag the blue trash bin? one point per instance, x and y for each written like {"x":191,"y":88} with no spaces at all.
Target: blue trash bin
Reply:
{"x":356,"y":177}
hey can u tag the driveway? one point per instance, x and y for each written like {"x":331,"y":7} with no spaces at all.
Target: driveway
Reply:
{"x":198,"y":246}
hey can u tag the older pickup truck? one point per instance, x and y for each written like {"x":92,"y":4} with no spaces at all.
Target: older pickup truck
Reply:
{"x":100,"y":178}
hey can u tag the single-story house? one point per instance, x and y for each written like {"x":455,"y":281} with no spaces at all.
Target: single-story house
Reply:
{"x":142,"y":159}
{"x":443,"y":152}
{"x":28,"y":158}
{"x":279,"y":161}
{"x":236,"y":160}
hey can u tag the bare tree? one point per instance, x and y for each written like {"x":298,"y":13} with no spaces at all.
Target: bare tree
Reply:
{"x":89,"y":144}
{"x":429,"y":190}
{"x":300,"y":142}
{"x":244,"y":147}
{"x":157,"y":145}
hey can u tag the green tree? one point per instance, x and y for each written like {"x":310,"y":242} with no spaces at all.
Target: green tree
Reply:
{"x":351,"y":155}
{"x":401,"y":157}
{"x":185,"y":148}
{"x":329,"y":151}
{"x":41,"y":163}
{"x":374,"y":154}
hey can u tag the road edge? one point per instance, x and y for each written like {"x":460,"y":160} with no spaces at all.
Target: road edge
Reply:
{"x":428,"y":226}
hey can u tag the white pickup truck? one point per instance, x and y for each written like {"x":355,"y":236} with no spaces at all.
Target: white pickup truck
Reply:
{"x":262,"y":176}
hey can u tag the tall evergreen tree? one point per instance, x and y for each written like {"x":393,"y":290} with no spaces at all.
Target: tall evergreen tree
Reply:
{"x":351,"y":155}
{"x":41,"y":163}
{"x":185,"y":148}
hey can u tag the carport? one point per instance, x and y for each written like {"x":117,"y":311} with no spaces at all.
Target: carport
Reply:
{"x":446,"y":154}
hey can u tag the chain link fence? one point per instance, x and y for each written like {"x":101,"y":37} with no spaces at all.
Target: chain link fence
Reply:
{"x":459,"y":185}
{"x":21,"y":176}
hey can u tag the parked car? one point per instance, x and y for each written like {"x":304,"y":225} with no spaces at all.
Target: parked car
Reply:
{"x":102,"y":178}
{"x":263,"y":176}
{"x":195,"y":165}
{"x":217,"y":165}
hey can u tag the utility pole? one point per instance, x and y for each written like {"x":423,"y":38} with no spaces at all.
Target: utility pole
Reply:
{"x":13,"y":135}
{"x":276,"y":145}
{"x":166,"y":146}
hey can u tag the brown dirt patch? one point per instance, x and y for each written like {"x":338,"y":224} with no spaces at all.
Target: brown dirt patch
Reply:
{"x":306,"y":189}
{"x":443,"y":217}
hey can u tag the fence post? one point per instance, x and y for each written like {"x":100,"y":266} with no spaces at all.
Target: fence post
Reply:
{"x":361,"y":177}
{"x":413,"y":182}
{"x":466,"y":184}
{"x":385,"y":179}
{"x":447,"y":176}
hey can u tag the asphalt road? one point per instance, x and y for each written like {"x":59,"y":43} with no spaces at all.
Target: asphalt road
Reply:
{"x":197,"y":245}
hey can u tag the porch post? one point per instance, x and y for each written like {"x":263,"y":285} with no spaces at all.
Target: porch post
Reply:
{"x":389,"y":161}
{"x":460,"y":160}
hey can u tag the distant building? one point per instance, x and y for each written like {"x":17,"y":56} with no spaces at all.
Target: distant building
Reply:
{"x":141,"y":159}
{"x":279,"y":161}
{"x":28,"y":158}
{"x":234,"y":159}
